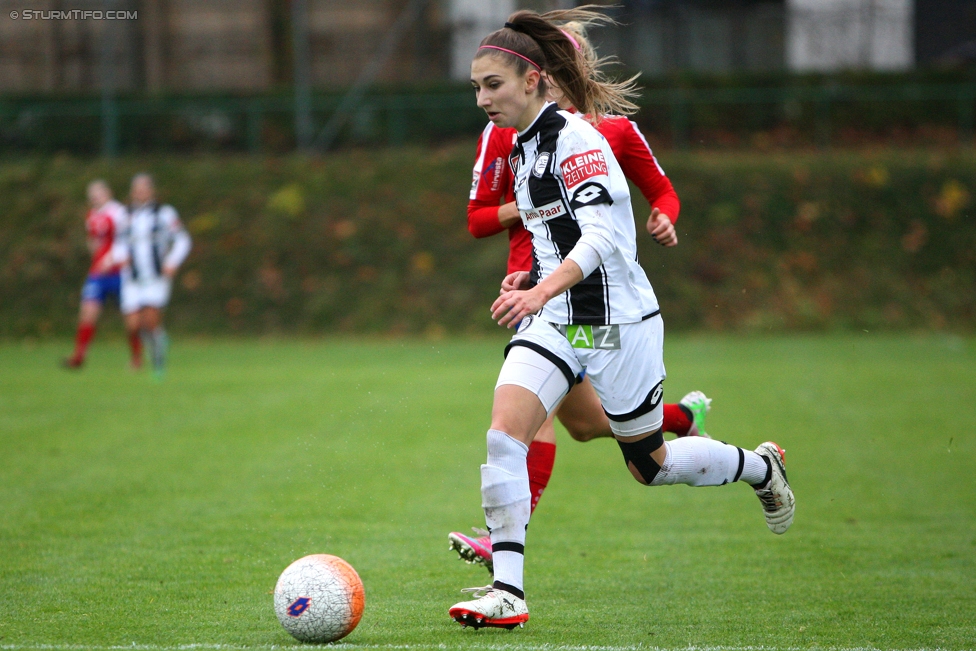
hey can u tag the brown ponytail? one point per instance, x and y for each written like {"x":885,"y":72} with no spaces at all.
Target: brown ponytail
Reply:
{"x":536,"y":39}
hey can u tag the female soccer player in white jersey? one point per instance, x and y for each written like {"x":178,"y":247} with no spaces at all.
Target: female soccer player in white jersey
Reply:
{"x":154,"y":246}
{"x":580,"y":412}
{"x":587,"y":305}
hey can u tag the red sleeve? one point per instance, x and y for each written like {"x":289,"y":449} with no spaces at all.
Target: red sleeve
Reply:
{"x":491,"y":182}
{"x":639,"y":165}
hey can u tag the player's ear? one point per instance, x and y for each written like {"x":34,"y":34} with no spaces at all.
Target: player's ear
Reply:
{"x":532,"y":79}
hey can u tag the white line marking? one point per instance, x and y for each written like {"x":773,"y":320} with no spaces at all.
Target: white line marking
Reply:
{"x":419,"y":647}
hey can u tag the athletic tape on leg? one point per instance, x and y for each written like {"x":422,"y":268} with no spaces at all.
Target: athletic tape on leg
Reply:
{"x":637,"y":456}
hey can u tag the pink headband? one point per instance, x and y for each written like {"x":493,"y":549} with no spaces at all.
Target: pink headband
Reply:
{"x":501,"y":49}
{"x":571,"y":39}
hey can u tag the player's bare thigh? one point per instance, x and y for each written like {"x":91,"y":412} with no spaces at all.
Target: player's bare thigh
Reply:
{"x":145,"y":318}
{"x":547,"y":433}
{"x":581,"y":413}
{"x":518,"y":412}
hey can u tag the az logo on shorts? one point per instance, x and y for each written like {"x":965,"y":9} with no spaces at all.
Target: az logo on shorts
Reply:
{"x":605,"y":337}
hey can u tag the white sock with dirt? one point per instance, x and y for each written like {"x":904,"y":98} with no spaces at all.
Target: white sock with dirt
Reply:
{"x":697,"y":461}
{"x":507,"y":501}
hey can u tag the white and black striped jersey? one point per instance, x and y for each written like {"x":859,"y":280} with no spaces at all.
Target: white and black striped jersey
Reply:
{"x":567,"y":184}
{"x":155,"y":238}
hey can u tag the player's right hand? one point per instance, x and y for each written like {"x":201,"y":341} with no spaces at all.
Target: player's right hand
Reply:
{"x":511,"y":307}
{"x":661,"y":229}
{"x":515,"y":280}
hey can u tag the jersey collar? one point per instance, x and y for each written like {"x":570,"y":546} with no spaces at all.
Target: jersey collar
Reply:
{"x":532,"y":129}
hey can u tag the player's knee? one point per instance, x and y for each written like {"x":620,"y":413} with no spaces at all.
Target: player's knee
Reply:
{"x":585,"y":426}
{"x":637,"y":456}
{"x":582,"y":431}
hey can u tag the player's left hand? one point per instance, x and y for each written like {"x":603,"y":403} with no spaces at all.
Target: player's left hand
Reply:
{"x":661,"y":229}
{"x":511,"y":307}
{"x":515,"y":280}
{"x":169,"y":271}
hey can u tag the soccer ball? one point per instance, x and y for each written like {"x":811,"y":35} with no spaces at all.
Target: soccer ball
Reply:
{"x":319,"y":598}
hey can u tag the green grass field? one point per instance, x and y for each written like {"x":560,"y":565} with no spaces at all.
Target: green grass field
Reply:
{"x":159,"y":515}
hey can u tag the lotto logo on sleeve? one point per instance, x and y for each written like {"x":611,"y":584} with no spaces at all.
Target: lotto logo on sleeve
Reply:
{"x":579,"y":167}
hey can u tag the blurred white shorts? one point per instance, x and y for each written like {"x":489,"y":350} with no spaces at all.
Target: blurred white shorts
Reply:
{"x":138,"y":294}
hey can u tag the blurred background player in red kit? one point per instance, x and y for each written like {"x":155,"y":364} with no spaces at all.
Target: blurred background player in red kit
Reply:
{"x":492,"y":210}
{"x":105,"y":220}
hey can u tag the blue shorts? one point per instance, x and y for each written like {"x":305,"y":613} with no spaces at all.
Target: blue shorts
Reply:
{"x":98,"y":288}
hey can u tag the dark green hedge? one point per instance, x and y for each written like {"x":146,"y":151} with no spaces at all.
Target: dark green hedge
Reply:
{"x":375,"y":242}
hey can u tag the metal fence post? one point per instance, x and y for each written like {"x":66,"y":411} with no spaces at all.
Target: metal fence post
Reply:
{"x":109,"y":110}
{"x":302,"y":75}
{"x":254,"y":119}
{"x":396,"y":126}
{"x":964,"y":103}
{"x":679,"y":120}
{"x":822,"y":119}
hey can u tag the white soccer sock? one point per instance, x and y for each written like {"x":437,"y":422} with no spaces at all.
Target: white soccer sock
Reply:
{"x":506,"y":499}
{"x":160,"y":344}
{"x":698,"y":461}
{"x":754,"y":469}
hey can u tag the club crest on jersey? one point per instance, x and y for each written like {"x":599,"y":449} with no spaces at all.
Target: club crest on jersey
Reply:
{"x":541,"y":165}
{"x":299,"y":606}
{"x":513,"y":161}
{"x":579,"y":167}
{"x":546,"y":212}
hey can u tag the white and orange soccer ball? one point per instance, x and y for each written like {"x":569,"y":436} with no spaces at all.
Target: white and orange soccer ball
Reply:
{"x":319,"y":598}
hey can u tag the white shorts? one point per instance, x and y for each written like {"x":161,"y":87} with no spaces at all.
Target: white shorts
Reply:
{"x":139,"y":294}
{"x":624,"y":362}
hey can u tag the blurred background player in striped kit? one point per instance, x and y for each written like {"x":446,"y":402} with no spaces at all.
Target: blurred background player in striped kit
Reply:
{"x":105,"y":220}
{"x":154,"y":246}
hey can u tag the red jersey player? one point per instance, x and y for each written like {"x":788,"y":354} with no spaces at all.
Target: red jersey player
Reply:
{"x":105,"y":220}
{"x":492,"y":210}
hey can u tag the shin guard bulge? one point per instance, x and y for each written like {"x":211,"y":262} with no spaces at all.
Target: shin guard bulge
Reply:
{"x":506,"y":499}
